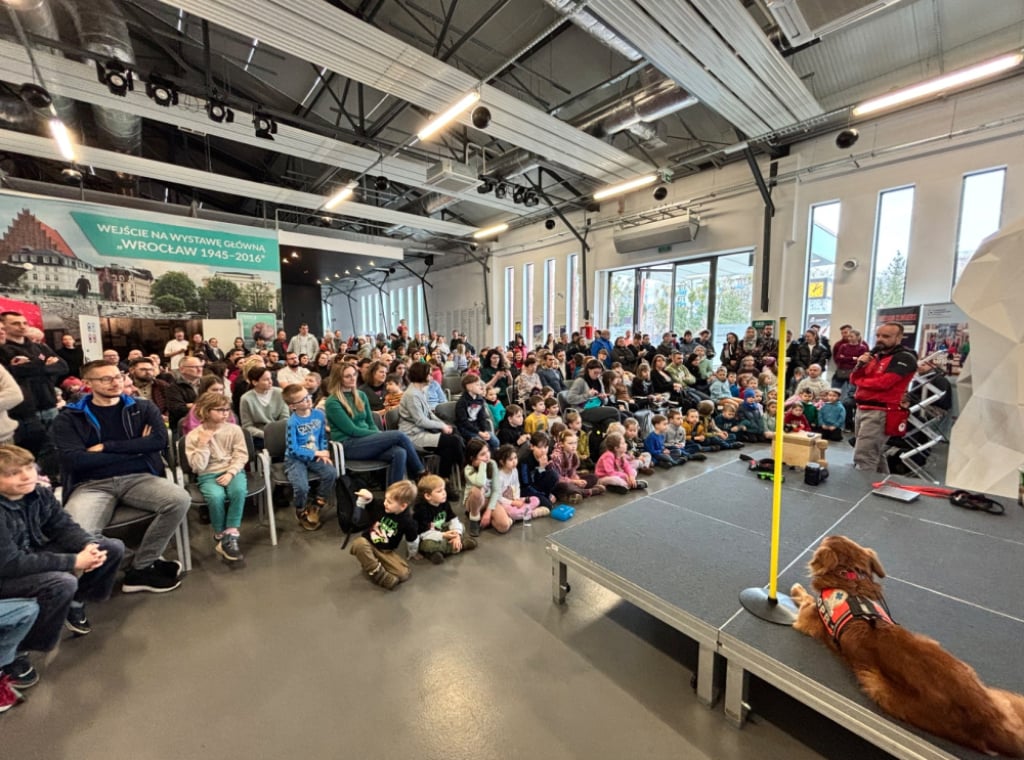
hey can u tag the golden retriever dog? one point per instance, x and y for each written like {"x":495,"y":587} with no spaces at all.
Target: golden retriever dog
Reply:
{"x":910,"y":676}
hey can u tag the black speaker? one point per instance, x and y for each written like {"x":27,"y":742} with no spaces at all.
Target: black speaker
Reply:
{"x":815,"y":474}
{"x":847,"y":139}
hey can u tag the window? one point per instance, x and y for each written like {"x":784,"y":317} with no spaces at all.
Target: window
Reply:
{"x":821,"y":264}
{"x":621,"y":301}
{"x":981,"y":205}
{"x":549,"y":299}
{"x":690,"y":302}
{"x":528,"y":330}
{"x":734,"y":295}
{"x":572,"y":287}
{"x":892,"y":241}
{"x":510,"y":310}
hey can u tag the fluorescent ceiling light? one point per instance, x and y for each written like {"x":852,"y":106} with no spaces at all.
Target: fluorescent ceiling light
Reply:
{"x":341,"y":196}
{"x":442,"y":119}
{"x":939,"y":84}
{"x":487,"y":232}
{"x":62,"y":137}
{"x":625,"y":187}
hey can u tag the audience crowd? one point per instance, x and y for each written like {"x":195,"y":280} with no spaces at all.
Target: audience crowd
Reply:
{"x":529,"y":428}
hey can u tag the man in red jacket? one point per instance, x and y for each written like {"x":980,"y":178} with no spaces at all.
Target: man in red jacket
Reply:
{"x":881,"y":376}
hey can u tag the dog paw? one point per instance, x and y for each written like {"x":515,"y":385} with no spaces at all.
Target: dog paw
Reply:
{"x":798,"y":592}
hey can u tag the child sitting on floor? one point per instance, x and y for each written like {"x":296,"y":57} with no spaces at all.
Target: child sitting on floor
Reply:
{"x":482,"y":490}
{"x":723,"y":439}
{"x":696,"y":436}
{"x":832,"y":416}
{"x":375,"y":549}
{"x":510,"y":497}
{"x":536,"y":476}
{"x":573,"y":486}
{"x":794,"y":420}
{"x":635,"y":453}
{"x":614,"y":470}
{"x":661,"y":456}
{"x":574,"y":422}
{"x":440,"y":528}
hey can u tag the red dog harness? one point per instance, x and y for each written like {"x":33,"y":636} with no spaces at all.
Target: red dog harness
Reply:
{"x":836,"y":609}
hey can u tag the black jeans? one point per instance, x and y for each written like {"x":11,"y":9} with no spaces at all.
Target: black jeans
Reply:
{"x":54,"y":592}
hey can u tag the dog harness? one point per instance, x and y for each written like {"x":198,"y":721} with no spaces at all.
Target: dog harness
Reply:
{"x":836,"y":609}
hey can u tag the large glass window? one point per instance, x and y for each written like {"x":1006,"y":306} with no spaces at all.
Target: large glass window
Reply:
{"x":621,"y":301}
{"x":690,"y":307}
{"x":821,"y":264}
{"x":572,"y":286}
{"x":529,"y":334}
{"x":550,"y":293}
{"x":734,"y":295}
{"x":510,"y":306}
{"x":892,"y":243}
{"x":981,"y":207}
{"x":654,"y":299}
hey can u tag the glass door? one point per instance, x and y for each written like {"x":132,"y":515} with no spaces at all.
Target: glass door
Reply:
{"x":621,"y":301}
{"x":653,"y":299}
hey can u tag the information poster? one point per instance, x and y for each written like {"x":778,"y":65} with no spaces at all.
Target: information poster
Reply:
{"x":945,"y":332}
{"x":908,"y":316}
{"x":91,"y":337}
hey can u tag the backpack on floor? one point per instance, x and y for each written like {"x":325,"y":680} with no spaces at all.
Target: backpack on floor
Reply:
{"x":351,"y":518}
{"x":643,"y":418}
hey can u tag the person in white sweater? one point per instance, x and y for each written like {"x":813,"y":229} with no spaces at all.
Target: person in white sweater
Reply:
{"x":217,"y":453}
{"x":262,"y":405}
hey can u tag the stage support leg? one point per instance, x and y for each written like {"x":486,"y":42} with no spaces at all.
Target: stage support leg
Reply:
{"x":736,"y":707}
{"x":559,"y":581}
{"x":706,"y":676}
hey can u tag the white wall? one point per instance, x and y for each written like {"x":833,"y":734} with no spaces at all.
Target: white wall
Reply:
{"x":931,"y":147}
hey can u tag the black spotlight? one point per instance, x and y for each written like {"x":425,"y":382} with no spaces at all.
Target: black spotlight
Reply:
{"x":116,"y":76}
{"x":265,"y":126}
{"x":660,"y":193}
{"x":481,"y":117}
{"x":549,"y":224}
{"x":501,"y":191}
{"x":219,"y":112}
{"x":429,"y":259}
{"x":161,"y":91}
{"x":519,"y":195}
{"x":381,"y":184}
{"x":486,"y":186}
{"x":530,"y":199}
{"x":35,"y":96}
{"x":847,"y":138}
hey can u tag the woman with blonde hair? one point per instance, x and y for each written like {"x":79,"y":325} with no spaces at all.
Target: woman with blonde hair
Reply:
{"x":352,"y":423}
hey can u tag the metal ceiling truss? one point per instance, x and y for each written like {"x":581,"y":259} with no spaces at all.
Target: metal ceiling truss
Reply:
{"x":328,"y":37}
{"x":44,"y":147}
{"x":78,"y":81}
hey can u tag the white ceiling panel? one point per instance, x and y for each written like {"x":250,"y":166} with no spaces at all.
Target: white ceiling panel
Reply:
{"x":44,"y":147}
{"x":323,"y":35}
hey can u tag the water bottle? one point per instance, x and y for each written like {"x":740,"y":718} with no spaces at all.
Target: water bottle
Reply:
{"x":527,"y":517}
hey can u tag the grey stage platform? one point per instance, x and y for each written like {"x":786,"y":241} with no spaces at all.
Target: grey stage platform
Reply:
{"x":685,"y":553}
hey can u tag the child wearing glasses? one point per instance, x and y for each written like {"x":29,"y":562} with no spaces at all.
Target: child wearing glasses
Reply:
{"x":217,"y":453}
{"x":307,"y":455}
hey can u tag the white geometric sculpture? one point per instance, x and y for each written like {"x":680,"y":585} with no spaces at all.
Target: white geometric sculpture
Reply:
{"x":987,"y":445}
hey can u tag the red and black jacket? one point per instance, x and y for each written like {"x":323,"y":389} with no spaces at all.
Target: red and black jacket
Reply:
{"x":882,"y":382}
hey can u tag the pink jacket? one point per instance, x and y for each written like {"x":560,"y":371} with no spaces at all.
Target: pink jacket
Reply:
{"x":610,"y":465}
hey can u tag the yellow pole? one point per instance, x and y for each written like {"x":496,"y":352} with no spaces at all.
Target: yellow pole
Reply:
{"x":780,"y":396}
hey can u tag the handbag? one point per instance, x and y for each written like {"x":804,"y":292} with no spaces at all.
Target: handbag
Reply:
{"x":592,"y":403}
{"x":841,"y":374}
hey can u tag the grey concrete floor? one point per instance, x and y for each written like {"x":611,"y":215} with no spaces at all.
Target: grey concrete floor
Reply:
{"x":298,"y":655}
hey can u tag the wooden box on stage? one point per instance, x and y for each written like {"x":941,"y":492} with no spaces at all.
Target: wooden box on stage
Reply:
{"x":800,"y":448}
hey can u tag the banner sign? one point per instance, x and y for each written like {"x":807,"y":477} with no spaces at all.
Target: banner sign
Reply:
{"x":944,"y":328}
{"x":135,"y":238}
{"x":908,"y":316}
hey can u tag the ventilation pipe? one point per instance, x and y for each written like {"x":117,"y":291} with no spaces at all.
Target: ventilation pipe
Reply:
{"x":592,"y":26}
{"x":646,"y":105}
{"x":103,"y":31}
{"x":36,"y":16}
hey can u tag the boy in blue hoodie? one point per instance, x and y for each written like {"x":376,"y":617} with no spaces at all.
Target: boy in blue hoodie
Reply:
{"x":307,"y":454}
{"x":832,"y":416}
{"x":750,"y":419}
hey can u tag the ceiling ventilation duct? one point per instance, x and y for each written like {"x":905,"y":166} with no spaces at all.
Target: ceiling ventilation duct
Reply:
{"x":590,"y":24}
{"x":802,"y":21}
{"x":36,"y":16}
{"x":102,"y":30}
{"x":646,"y":105}
{"x":678,"y":229}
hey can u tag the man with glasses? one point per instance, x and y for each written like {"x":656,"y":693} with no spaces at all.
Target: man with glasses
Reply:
{"x":110,"y":447}
{"x":181,"y":394}
{"x":35,"y":368}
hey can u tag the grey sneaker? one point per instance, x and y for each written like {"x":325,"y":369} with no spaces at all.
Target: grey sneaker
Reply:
{"x":77,"y":622}
{"x":227,"y":547}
